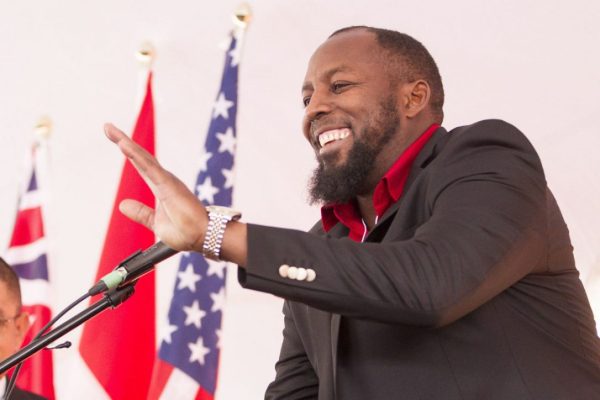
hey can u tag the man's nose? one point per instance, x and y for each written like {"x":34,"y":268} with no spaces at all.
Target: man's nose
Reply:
{"x":320,"y":104}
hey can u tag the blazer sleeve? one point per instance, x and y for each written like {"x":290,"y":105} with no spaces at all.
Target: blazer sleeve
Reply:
{"x":295,"y":377}
{"x":484,"y":197}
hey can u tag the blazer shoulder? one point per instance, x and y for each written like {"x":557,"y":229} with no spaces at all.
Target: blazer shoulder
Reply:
{"x":489,"y":127}
{"x":490,"y":132}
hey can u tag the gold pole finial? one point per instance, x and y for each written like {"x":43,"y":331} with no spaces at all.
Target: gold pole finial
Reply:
{"x":146,"y":54}
{"x":43,"y":127}
{"x":242,"y":15}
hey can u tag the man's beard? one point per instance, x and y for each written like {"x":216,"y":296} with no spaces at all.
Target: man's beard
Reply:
{"x":340,"y":184}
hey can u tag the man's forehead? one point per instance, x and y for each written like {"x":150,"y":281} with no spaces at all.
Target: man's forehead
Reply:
{"x":344,"y":52}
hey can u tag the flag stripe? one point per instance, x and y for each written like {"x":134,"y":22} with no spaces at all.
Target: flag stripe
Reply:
{"x":35,"y":291}
{"x":36,"y":269}
{"x":26,"y":253}
{"x":33,"y":186}
{"x":31,"y":200}
{"x":28,"y":227}
{"x":179,"y":386}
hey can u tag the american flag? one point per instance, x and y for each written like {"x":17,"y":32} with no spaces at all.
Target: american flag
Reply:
{"x":27,"y":254}
{"x":188,"y":358}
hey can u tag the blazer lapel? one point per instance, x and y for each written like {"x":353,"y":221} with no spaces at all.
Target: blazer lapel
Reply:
{"x":338,"y":231}
{"x":429,"y":152}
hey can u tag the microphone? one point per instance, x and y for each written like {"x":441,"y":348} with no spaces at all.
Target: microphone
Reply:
{"x":133,"y":267}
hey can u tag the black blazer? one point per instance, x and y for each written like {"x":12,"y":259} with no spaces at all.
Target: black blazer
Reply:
{"x":465,"y":289}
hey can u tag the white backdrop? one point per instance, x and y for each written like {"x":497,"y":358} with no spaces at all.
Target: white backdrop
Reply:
{"x":532,"y":63}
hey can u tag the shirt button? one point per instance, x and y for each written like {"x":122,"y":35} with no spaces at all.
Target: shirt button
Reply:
{"x":283,"y":270}
{"x":302,"y":274}
{"x":310,"y":275}
{"x":292,"y":272}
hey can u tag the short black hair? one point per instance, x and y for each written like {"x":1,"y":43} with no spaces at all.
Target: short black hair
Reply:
{"x":413,"y":57}
{"x":10,"y":278}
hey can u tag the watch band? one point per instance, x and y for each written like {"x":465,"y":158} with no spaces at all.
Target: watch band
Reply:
{"x":218,"y":217}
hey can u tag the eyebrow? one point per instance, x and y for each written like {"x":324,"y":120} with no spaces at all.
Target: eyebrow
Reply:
{"x":327,"y":75}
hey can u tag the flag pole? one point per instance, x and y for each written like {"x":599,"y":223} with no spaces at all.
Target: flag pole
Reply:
{"x":145,"y":56}
{"x":43,"y":128}
{"x":42,"y":132}
{"x":242,"y":15}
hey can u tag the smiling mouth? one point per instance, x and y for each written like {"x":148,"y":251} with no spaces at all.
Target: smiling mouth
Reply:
{"x":333,"y":135}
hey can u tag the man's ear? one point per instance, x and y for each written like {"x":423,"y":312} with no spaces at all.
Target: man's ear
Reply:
{"x":22,"y":325}
{"x":415,"y":97}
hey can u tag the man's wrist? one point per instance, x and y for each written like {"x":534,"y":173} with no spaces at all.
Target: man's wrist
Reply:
{"x":218,"y":218}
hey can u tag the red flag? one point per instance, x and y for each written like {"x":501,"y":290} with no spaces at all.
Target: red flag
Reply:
{"x":118,"y":345}
{"x":27,"y":256}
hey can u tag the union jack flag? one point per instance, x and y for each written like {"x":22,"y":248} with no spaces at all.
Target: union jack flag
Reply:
{"x":188,"y":358}
{"x":27,"y":254}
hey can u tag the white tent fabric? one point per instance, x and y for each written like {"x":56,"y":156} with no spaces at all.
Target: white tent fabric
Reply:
{"x":535,"y":64}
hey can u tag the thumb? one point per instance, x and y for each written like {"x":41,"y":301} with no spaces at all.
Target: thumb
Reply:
{"x":138,"y":212}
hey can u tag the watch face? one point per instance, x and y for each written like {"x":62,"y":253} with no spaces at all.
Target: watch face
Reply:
{"x":224,"y":211}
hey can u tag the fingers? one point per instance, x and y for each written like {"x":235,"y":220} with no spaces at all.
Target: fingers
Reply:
{"x":113,"y":133}
{"x":143,"y":161}
{"x":138,"y":212}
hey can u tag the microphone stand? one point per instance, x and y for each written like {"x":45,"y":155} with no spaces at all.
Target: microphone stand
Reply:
{"x":112,"y":299}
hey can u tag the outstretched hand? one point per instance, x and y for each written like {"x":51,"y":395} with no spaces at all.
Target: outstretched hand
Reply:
{"x":180,"y":219}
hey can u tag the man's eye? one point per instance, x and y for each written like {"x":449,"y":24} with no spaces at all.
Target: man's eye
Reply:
{"x":337,"y":87}
{"x":306,"y":101}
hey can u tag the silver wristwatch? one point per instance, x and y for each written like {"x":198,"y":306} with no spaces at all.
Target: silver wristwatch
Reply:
{"x":218,"y":217}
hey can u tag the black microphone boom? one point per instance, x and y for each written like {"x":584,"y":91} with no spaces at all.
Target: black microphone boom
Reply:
{"x":133,"y":267}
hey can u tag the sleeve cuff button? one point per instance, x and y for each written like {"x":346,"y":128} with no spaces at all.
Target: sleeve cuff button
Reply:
{"x":283,"y":270}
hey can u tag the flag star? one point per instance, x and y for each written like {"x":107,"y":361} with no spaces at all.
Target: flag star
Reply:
{"x":227,"y":140}
{"x":222,"y":106}
{"x":199,"y":351}
{"x":194,"y":314}
{"x":188,"y":279}
{"x":167,"y":332}
{"x":236,"y":54}
{"x":228,"y":174}
{"x":216,"y":268}
{"x":204,"y":160}
{"x":206,"y":191}
{"x":218,"y":300}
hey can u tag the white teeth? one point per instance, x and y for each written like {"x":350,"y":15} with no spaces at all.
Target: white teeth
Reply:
{"x":335,"y":134}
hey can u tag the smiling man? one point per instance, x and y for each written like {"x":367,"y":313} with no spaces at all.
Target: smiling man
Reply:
{"x":441,"y":267}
